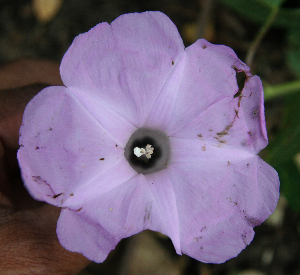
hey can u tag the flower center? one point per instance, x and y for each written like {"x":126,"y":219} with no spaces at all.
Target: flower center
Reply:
{"x":148,"y":151}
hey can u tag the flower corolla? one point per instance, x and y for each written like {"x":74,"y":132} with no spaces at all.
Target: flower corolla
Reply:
{"x":132,"y":89}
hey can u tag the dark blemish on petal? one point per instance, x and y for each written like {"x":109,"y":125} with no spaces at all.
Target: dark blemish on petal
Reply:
{"x":50,"y":129}
{"x":220,"y":140}
{"x":147,"y":212}
{"x":210,"y":130}
{"x":244,"y":237}
{"x":38,"y":179}
{"x":250,"y":134}
{"x":21,"y":145}
{"x":116,"y":145}
{"x":203,"y":228}
{"x":200,"y":136}
{"x":203,"y":148}
{"x":173,"y":62}
{"x":36,"y":148}
{"x":252,"y":221}
{"x":78,"y":209}
{"x":228,"y":163}
{"x":204,"y":47}
{"x":254,"y":114}
{"x":71,"y":195}
{"x":248,"y":164}
{"x":101,"y":159}
{"x":236,"y":112}
{"x":223,"y":133}
{"x":201,"y":247}
{"x":55,"y":196}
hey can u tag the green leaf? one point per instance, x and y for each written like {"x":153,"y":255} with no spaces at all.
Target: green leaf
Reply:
{"x":287,"y":142}
{"x":271,"y":3}
{"x":290,"y":183}
{"x":283,"y":148}
{"x":293,"y":50}
{"x":258,"y":10}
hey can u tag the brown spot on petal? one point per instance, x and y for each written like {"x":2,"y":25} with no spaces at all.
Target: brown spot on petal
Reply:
{"x":173,"y":62}
{"x":254,"y":113}
{"x":223,"y":133}
{"x":101,"y":159}
{"x":244,"y":237}
{"x":56,"y":196}
{"x":78,"y":209}
{"x":252,"y":221}
{"x":203,"y":148}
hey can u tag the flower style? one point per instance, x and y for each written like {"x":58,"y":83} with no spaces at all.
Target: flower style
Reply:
{"x":132,"y":89}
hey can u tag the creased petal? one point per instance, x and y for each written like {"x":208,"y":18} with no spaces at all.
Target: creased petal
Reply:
{"x":252,"y":103}
{"x":124,"y":64}
{"x":78,"y":234}
{"x":62,"y":145}
{"x":209,"y":76}
{"x":139,"y":203}
{"x":165,"y":219}
{"x":200,"y":99}
{"x":216,"y":217}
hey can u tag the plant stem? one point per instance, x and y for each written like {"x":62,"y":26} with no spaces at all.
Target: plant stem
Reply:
{"x":271,"y":92}
{"x":262,"y":32}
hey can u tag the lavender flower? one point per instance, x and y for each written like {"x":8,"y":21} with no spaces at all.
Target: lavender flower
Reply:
{"x":149,"y":135}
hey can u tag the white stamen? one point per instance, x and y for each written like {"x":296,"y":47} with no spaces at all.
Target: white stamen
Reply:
{"x":148,"y":151}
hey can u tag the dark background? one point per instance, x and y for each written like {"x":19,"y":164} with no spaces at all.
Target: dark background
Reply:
{"x":276,"y":246}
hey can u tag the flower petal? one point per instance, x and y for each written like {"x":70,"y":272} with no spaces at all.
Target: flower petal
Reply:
{"x":124,"y":64}
{"x":216,"y":217}
{"x":64,"y":146}
{"x":78,"y":234}
{"x":142,"y":202}
{"x":252,"y":103}
{"x":200,"y":98}
{"x":222,"y":123}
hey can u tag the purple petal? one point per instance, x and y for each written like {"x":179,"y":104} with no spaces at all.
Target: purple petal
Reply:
{"x":78,"y":234}
{"x":210,"y":183}
{"x":124,"y":64}
{"x":199,"y":99}
{"x":140,"y":203}
{"x":252,"y":103}
{"x":63,"y":146}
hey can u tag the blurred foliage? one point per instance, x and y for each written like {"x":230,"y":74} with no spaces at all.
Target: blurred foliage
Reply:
{"x":286,"y":142}
{"x":288,"y":18}
{"x":282,"y":151}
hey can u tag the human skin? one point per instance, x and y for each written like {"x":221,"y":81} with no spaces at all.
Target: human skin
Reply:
{"x":28,"y":241}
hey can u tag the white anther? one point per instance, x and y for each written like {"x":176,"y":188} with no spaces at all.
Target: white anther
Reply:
{"x":148,"y":151}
